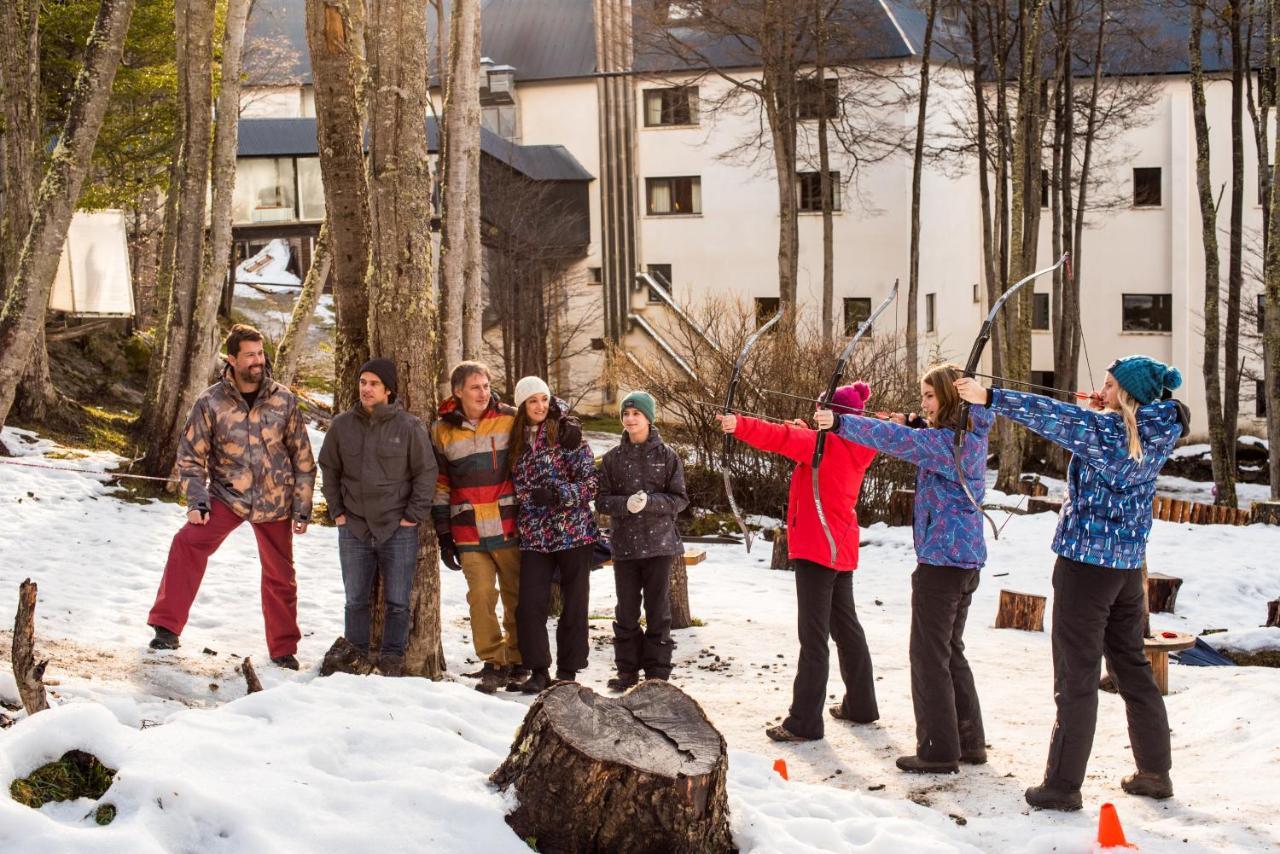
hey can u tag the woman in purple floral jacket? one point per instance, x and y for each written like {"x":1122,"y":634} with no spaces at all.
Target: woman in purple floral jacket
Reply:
{"x":555,"y":479}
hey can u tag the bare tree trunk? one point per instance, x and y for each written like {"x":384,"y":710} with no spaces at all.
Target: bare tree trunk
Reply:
{"x":194,"y":23}
{"x":164,"y":269}
{"x":461,"y":287}
{"x":824,"y":179}
{"x":984,"y":167}
{"x":1212,"y":270}
{"x":1271,"y":330}
{"x":304,"y":307}
{"x":917,"y":167}
{"x":199,"y":368}
{"x":779,"y":90}
{"x":1226,"y":494}
{"x":23,"y":313}
{"x":402,"y":311}
{"x":336,"y":36}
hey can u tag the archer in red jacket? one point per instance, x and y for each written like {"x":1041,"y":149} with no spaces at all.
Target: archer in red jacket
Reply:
{"x":824,"y":593}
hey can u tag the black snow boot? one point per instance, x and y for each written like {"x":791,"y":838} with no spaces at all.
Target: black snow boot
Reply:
{"x":537,"y":681}
{"x":623,"y":681}
{"x":1148,"y":784}
{"x":1044,"y":797}
{"x":492,"y":677}
{"x":566,"y":675}
{"x":164,"y":639}
{"x":915,"y":765}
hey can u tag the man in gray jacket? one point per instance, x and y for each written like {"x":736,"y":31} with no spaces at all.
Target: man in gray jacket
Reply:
{"x":379,"y":475}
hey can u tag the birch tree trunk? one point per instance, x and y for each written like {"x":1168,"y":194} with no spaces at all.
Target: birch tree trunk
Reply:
{"x":22,"y":316}
{"x":461,"y":290}
{"x":194,"y":21}
{"x":402,"y":311}
{"x":304,"y":308}
{"x":917,"y":168}
{"x":336,"y":36}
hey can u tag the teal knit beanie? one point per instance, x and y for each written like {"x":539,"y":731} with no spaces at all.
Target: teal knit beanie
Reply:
{"x":1145,"y":378}
{"x":642,"y":401}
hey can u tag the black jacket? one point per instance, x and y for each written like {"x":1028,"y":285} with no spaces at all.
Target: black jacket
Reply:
{"x":378,"y":468}
{"x":650,"y":467}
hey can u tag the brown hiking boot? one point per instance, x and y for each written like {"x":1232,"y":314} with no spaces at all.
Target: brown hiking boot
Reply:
{"x":915,"y":765}
{"x":1044,"y":797}
{"x":492,"y":677}
{"x":391,"y":665}
{"x":1148,"y":784}
{"x":781,"y":733}
{"x":837,"y":711}
{"x":164,"y":639}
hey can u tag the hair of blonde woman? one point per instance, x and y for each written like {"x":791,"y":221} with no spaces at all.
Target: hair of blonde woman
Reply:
{"x":1129,"y":412}
{"x":942,"y":379}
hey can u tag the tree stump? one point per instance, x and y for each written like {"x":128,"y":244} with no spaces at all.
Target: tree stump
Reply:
{"x":26,"y":672}
{"x":779,"y":559}
{"x":1162,"y":593}
{"x":1023,"y":611}
{"x":681,"y":616}
{"x":1044,"y":505}
{"x":1265,"y":512}
{"x":1273,"y":613}
{"x":641,"y":773}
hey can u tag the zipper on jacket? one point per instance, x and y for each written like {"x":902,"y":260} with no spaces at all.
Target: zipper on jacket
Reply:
{"x":493,"y":452}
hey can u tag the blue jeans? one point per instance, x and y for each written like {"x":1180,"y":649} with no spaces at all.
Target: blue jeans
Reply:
{"x":361,"y":561}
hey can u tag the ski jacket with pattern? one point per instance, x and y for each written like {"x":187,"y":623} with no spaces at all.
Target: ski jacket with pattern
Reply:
{"x":839,"y":480}
{"x":654,"y":468}
{"x":572,"y":475}
{"x":946,"y":527}
{"x":256,"y":460}
{"x":474,"y":501}
{"x":1106,"y":514}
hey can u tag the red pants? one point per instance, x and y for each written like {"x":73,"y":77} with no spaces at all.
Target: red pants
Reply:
{"x":189,"y":556}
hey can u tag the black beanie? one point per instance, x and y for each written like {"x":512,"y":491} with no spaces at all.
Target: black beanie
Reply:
{"x":383,"y":369}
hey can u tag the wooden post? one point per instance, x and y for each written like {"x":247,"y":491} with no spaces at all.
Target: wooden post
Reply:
{"x":1162,"y":592}
{"x":1023,"y":611}
{"x":779,"y":559}
{"x":1157,"y":650}
{"x":1273,"y":613}
{"x":26,"y":672}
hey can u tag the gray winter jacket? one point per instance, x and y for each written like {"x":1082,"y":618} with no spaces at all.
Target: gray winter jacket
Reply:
{"x":378,"y":469}
{"x":654,"y":468}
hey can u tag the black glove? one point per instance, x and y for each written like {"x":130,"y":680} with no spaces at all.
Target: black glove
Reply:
{"x":544,"y":496}
{"x":569,"y":436}
{"x":916,"y":422}
{"x":449,"y":552}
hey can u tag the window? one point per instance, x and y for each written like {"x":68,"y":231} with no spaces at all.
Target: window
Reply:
{"x":1044,"y":188}
{"x":597,"y":344}
{"x":809,"y":191}
{"x":683,"y":11}
{"x":1260,"y":399}
{"x":1044,"y":379}
{"x":677,"y":105}
{"x":595,"y":275}
{"x":1146,"y":187}
{"x":856,"y":310}
{"x":809,"y":97}
{"x":766,"y":307}
{"x":501,"y":119}
{"x":1147,"y":313}
{"x":674,"y":196}
{"x":976,"y":296}
{"x":930,"y":315}
{"x":310,"y":189}
{"x":661,"y":272}
{"x":1040,"y":311}
{"x":266,"y":190}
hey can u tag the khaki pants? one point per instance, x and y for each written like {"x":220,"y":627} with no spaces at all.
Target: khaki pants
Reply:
{"x":490,"y":575}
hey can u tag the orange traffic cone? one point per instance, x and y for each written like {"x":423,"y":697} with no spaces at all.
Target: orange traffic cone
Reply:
{"x":1110,"y":833}
{"x":780,"y":765}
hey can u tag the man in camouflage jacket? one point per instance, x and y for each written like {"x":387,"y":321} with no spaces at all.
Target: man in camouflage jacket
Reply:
{"x":244,"y":457}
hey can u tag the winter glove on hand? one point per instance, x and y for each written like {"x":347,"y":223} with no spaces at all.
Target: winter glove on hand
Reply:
{"x":917,"y":422}
{"x":569,"y":436}
{"x":1184,"y":417}
{"x":449,"y":552}
{"x":544,"y":496}
{"x":637,"y":502}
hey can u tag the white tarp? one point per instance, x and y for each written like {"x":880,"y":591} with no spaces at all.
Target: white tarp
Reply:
{"x":269,"y":267}
{"x":93,"y":277}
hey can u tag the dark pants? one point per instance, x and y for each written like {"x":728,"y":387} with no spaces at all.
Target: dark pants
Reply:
{"x":948,"y":718}
{"x":1097,"y":612}
{"x":396,"y":559}
{"x":189,"y":557}
{"x":824,"y":609}
{"x":536,"y":572}
{"x":649,"y":650}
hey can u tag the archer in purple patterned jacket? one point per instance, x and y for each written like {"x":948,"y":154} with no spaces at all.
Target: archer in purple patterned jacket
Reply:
{"x":555,"y":479}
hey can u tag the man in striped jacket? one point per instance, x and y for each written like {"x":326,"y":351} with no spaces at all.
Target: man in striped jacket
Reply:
{"x":474,"y":512}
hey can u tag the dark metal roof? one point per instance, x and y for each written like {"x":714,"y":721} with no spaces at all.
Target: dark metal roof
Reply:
{"x":296,"y":137}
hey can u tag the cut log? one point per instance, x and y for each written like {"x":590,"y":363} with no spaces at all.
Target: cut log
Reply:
{"x":250,"y":676}
{"x":26,"y":672}
{"x":641,"y":773}
{"x":1162,"y":593}
{"x":902,"y":505}
{"x":681,"y":618}
{"x":1044,"y":505}
{"x":1023,"y":611}
{"x":779,"y":559}
{"x":1030,"y":486}
{"x":1273,"y":613}
{"x":1265,"y":512}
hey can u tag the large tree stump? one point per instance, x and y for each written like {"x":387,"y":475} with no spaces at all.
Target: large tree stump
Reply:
{"x":779,"y":559}
{"x":641,"y":773}
{"x":681,"y":617}
{"x":1266,"y":512}
{"x":1023,"y":611}
{"x":26,"y":672}
{"x":1162,"y":593}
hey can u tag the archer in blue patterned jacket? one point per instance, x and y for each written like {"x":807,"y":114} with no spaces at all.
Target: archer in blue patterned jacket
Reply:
{"x":554,"y":475}
{"x":949,"y":550}
{"x":1098,"y":602}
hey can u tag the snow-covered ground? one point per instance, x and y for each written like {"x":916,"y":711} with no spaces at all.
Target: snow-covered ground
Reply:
{"x":368,"y":764}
